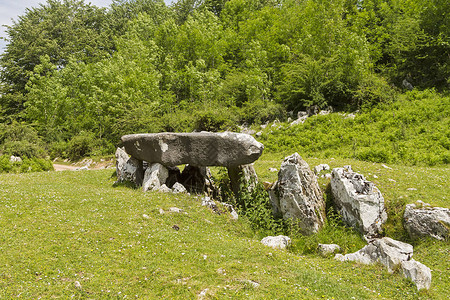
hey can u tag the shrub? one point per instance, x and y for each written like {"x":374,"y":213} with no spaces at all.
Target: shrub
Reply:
{"x":33,"y":164}
{"x":81,"y":145}
{"x":216,"y":119}
{"x":20,"y":140}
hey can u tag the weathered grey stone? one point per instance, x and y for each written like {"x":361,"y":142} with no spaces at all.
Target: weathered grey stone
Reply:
{"x":328,"y":249}
{"x":386,"y":251}
{"x":178,"y":188}
{"x":276,"y":242}
{"x":422,"y":220}
{"x":320,"y":168}
{"x":242,"y":179}
{"x":197,"y":180}
{"x":128,"y":169}
{"x":418,"y":273}
{"x":154,"y":177}
{"x":358,"y":201}
{"x":301,"y":119}
{"x":297,"y":195}
{"x":226,"y":149}
{"x":163,"y":189}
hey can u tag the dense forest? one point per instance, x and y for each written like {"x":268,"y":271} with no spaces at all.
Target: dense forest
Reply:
{"x":75,"y":77}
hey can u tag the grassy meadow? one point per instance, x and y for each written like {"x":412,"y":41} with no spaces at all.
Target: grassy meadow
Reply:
{"x":73,"y":235}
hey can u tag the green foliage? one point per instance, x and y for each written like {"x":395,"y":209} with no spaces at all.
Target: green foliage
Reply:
{"x":58,"y":29}
{"x":20,"y":140}
{"x":84,"y":144}
{"x":33,"y":164}
{"x":144,"y":67}
{"x":413,"y":130}
{"x":215,"y":119}
{"x":256,"y":208}
{"x":408,"y":39}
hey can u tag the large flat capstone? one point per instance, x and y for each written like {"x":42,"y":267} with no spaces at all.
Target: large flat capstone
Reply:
{"x":226,"y":149}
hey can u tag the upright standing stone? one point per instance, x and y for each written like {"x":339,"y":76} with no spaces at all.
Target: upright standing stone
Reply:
{"x":128,"y":168}
{"x":297,"y":195}
{"x":154,"y":177}
{"x":358,"y":201}
{"x":242,"y":179}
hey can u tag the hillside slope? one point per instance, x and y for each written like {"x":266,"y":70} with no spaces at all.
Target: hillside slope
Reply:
{"x":413,"y":130}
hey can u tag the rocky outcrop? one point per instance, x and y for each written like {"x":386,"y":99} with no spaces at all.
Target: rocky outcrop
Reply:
{"x":226,"y":149}
{"x":154,"y":177}
{"x":242,"y":179}
{"x":128,"y":169}
{"x":277,"y":242}
{"x":297,"y":195}
{"x":392,"y":254}
{"x":178,"y":188}
{"x":422,"y":220}
{"x":358,"y":201}
{"x":386,"y":251}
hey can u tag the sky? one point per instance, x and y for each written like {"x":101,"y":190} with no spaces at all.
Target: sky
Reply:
{"x":11,"y":9}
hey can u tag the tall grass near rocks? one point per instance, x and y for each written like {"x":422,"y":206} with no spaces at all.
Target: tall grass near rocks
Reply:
{"x":414,"y":130}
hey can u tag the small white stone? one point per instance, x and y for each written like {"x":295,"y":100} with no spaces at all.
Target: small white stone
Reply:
{"x":175,"y":210}
{"x":77,"y":284}
{"x":145,"y":216}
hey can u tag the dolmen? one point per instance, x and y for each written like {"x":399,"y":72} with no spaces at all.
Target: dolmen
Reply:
{"x":155,"y":157}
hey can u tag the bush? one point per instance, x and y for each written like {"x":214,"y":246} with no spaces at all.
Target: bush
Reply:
{"x":216,"y":119}
{"x":256,"y":207}
{"x":58,"y":149}
{"x":27,"y":165}
{"x":20,"y":140}
{"x":81,"y":145}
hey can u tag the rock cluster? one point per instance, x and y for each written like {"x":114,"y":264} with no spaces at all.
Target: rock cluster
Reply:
{"x":392,"y":254}
{"x":297,"y":195}
{"x":358,"y":201}
{"x":312,"y":111}
{"x":422,"y":220}
{"x":154,"y":159}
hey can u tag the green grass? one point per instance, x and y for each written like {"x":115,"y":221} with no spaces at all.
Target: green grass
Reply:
{"x":59,"y":228}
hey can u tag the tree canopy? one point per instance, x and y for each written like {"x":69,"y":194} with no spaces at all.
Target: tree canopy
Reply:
{"x":71,"y":68}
